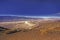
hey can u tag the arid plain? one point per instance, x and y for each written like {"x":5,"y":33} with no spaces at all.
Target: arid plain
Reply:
{"x":34,"y":30}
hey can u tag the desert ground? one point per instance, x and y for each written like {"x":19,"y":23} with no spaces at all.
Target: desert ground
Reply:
{"x":37,"y":30}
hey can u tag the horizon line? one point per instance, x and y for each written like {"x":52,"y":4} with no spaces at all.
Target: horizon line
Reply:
{"x":33,"y":16}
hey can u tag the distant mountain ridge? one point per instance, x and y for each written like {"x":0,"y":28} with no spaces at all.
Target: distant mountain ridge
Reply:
{"x":13,"y":18}
{"x":19,"y":18}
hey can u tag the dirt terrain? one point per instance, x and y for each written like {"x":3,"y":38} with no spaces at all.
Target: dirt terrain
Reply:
{"x":45,"y":30}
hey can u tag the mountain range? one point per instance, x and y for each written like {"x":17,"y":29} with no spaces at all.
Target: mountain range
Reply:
{"x":19,"y":18}
{"x":14,"y":18}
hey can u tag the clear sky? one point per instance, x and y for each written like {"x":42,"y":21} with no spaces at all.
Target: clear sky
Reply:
{"x":30,"y":7}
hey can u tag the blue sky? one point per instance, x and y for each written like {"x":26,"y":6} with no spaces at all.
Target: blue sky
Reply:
{"x":30,"y":7}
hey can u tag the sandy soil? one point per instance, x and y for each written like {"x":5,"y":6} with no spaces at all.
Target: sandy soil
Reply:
{"x":45,"y":31}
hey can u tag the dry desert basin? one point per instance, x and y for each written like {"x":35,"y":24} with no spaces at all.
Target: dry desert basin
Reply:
{"x":31,"y":30}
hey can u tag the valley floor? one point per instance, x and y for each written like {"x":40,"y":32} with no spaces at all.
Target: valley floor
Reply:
{"x":46,"y":31}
